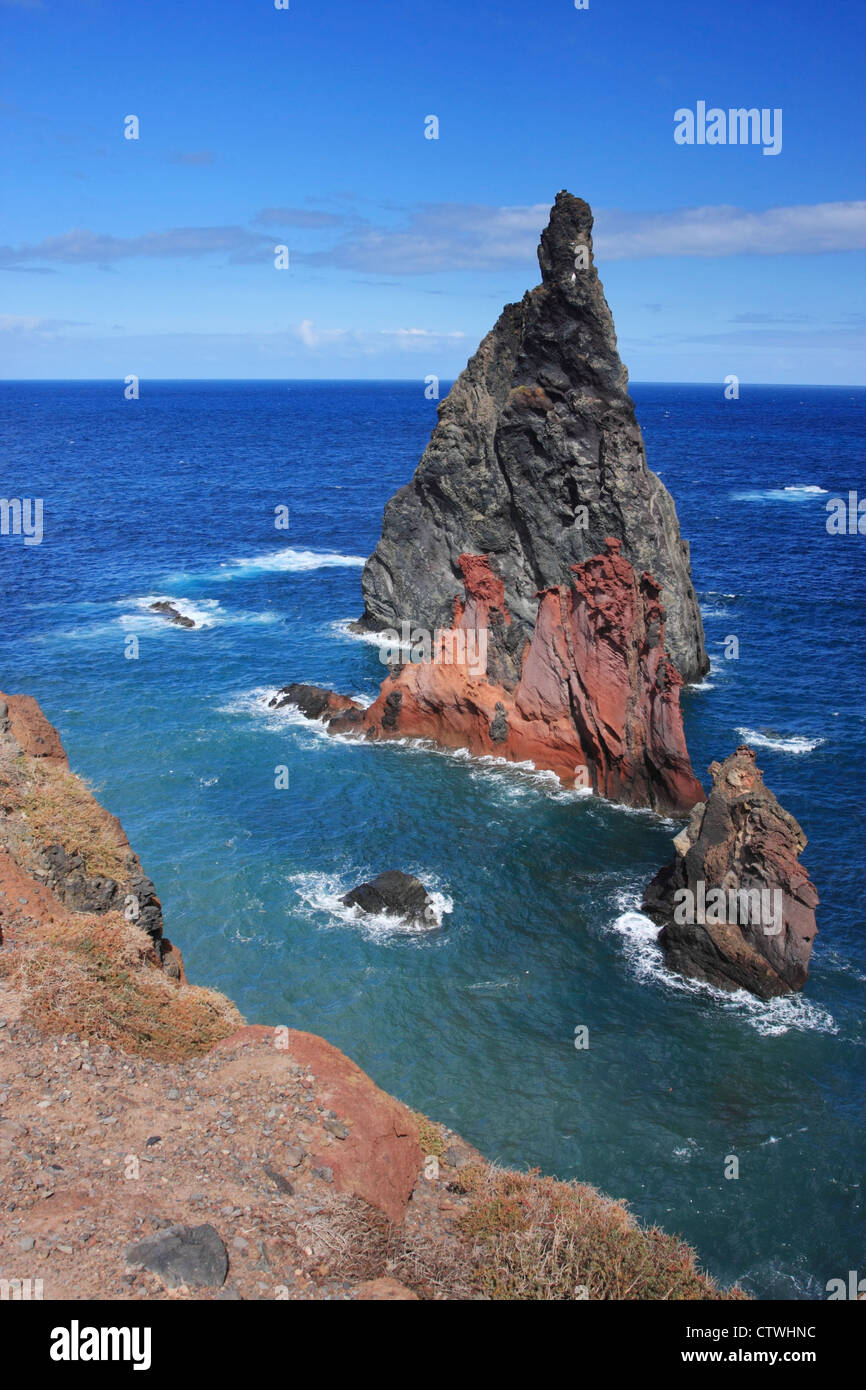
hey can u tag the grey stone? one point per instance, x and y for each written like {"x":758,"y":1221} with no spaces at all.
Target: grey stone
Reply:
{"x":280,"y":1183}
{"x":190,"y":1255}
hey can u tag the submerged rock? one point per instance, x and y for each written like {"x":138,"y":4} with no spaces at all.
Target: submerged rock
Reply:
{"x":394,"y":893}
{"x":737,"y":907}
{"x":536,"y":458}
{"x":173,"y":614}
{"x":315,"y":702}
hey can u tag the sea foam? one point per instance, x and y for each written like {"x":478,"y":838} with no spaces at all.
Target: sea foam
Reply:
{"x":780,"y":744}
{"x":320,"y":896}
{"x":769,"y":1017}
{"x":203,"y":612}
{"x":794,"y":492}
{"x":287,"y":561}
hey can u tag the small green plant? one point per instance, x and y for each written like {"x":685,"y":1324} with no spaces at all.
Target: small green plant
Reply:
{"x":430,"y":1136}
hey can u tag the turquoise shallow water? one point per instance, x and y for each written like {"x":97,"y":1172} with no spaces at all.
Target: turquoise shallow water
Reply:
{"x":474,"y":1020}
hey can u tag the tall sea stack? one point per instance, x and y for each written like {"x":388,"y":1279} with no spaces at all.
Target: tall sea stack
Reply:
{"x":537,"y":458}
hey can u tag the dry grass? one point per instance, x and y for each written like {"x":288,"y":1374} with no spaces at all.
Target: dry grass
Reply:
{"x":61,"y":810}
{"x":100,"y":977}
{"x":524,"y":1237}
{"x":536,"y":1238}
{"x":357,"y":1242}
{"x":97,"y":975}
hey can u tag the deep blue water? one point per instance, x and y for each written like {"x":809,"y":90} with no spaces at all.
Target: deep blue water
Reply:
{"x":472,"y":1022}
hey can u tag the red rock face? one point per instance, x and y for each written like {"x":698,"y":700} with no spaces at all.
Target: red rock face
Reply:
{"x":31,"y":729}
{"x":596,"y":700}
{"x":379,"y":1158}
{"x":483,"y":588}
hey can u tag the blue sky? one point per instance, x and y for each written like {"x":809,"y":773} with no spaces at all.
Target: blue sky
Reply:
{"x":305,"y":127}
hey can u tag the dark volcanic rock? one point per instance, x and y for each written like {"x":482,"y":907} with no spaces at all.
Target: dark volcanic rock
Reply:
{"x":394,"y":893}
{"x":393,"y":701}
{"x":737,"y":867}
{"x":190,"y":1255}
{"x":499,"y":723}
{"x":169,"y":611}
{"x":316,"y":702}
{"x":67,"y":877}
{"x":536,"y":458}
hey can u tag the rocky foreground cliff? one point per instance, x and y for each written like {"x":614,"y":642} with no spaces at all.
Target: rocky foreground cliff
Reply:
{"x":153,"y":1146}
{"x":537,"y":457}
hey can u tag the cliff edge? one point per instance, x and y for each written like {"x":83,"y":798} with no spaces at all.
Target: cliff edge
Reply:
{"x":153,"y":1146}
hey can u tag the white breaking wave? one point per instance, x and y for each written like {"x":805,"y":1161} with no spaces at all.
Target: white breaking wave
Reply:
{"x":834,"y":960}
{"x":513,"y":779}
{"x":490,"y":988}
{"x":797,"y":492}
{"x":320,"y":895}
{"x":781,"y":745}
{"x":342,"y":628}
{"x":256,"y":702}
{"x":522,"y":776}
{"x":708,"y":611}
{"x":288,"y":561}
{"x":770,"y":1017}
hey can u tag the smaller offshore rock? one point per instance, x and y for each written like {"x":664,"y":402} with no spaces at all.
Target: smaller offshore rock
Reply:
{"x":394,"y":893}
{"x":737,"y":908}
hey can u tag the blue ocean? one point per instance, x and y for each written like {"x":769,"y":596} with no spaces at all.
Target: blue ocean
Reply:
{"x":471,"y":1020}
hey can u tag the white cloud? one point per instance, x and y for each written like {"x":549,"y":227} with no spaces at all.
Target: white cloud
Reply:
{"x":33,"y":324}
{"x":437,"y":237}
{"x":374,"y":340}
{"x":83,"y":247}
{"x":805,"y":230}
{"x":459,"y":236}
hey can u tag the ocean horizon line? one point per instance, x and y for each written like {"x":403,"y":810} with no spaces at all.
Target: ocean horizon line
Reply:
{"x":389,"y":381}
